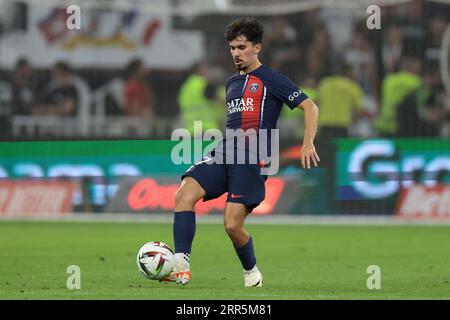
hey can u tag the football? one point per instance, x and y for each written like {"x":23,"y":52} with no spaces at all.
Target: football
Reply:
{"x":155,"y":260}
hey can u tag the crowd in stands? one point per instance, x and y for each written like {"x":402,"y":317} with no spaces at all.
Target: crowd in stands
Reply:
{"x":366,"y":83}
{"x":66,"y":95}
{"x":379,"y":83}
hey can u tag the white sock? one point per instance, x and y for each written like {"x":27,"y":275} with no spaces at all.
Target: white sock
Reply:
{"x":182,"y":261}
{"x":255,"y":268}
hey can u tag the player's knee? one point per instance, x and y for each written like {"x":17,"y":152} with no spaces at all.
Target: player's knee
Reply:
{"x":184,"y":198}
{"x":233,"y":229}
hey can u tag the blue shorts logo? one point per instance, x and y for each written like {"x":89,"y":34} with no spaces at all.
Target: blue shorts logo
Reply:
{"x":254,"y":87}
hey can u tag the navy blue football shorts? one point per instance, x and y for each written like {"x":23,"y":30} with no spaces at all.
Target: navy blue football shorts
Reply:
{"x":243,"y":182}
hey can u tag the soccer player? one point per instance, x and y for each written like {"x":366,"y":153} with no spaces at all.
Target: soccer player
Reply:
{"x":254,"y":99}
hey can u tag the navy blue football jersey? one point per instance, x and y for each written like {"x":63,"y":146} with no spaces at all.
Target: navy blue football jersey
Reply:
{"x":254,"y":100}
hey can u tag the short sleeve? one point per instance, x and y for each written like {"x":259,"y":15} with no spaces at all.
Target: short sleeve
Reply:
{"x":287,"y":91}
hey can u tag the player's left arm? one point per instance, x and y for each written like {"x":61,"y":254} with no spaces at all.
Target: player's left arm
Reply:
{"x":308,"y":152}
{"x":287,"y":92}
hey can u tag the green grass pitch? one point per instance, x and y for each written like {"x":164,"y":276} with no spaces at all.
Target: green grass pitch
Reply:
{"x":298,"y":261}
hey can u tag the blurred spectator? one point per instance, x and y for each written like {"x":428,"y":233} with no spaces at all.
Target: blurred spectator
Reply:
{"x":309,"y":22}
{"x":318,"y":55}
{"x":195,"y":100}
{"x":61,"y":97}
{"x":340,"y":22}
{"x":215,"y":93}
{"x":139,"y":98}
{"x":395,"y":88}
{"x":340,"y":99}
{"x":435,"y":32}
{"x":281,"y":48}
{"x":308,"y":85}
{"x":360,"y":56}
{"x":23,"y":88}
{"x":5,"y":112}
{"x":421,"y":113}
{"x":409,"y":17}
{"x":392,"y":48}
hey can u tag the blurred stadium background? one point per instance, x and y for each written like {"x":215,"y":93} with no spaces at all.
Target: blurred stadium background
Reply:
{"x":86,"y":115}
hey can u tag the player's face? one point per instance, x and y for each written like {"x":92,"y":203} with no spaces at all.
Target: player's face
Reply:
{"x":244,"y":53}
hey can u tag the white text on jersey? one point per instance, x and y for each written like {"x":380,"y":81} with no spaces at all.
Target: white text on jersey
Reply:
{"x":240,"y":104}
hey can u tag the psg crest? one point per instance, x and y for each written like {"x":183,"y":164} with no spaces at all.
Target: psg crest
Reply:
{"x":254,"y":87}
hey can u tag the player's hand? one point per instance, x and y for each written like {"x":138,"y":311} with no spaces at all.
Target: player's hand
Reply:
{"x":309,"y":155}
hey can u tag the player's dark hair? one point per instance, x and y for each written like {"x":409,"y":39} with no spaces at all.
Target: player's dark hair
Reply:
{"x":22,"y":62}
{"x":132,"y":67}
{"x":249,"y":28}
{"x":63,"y":66}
